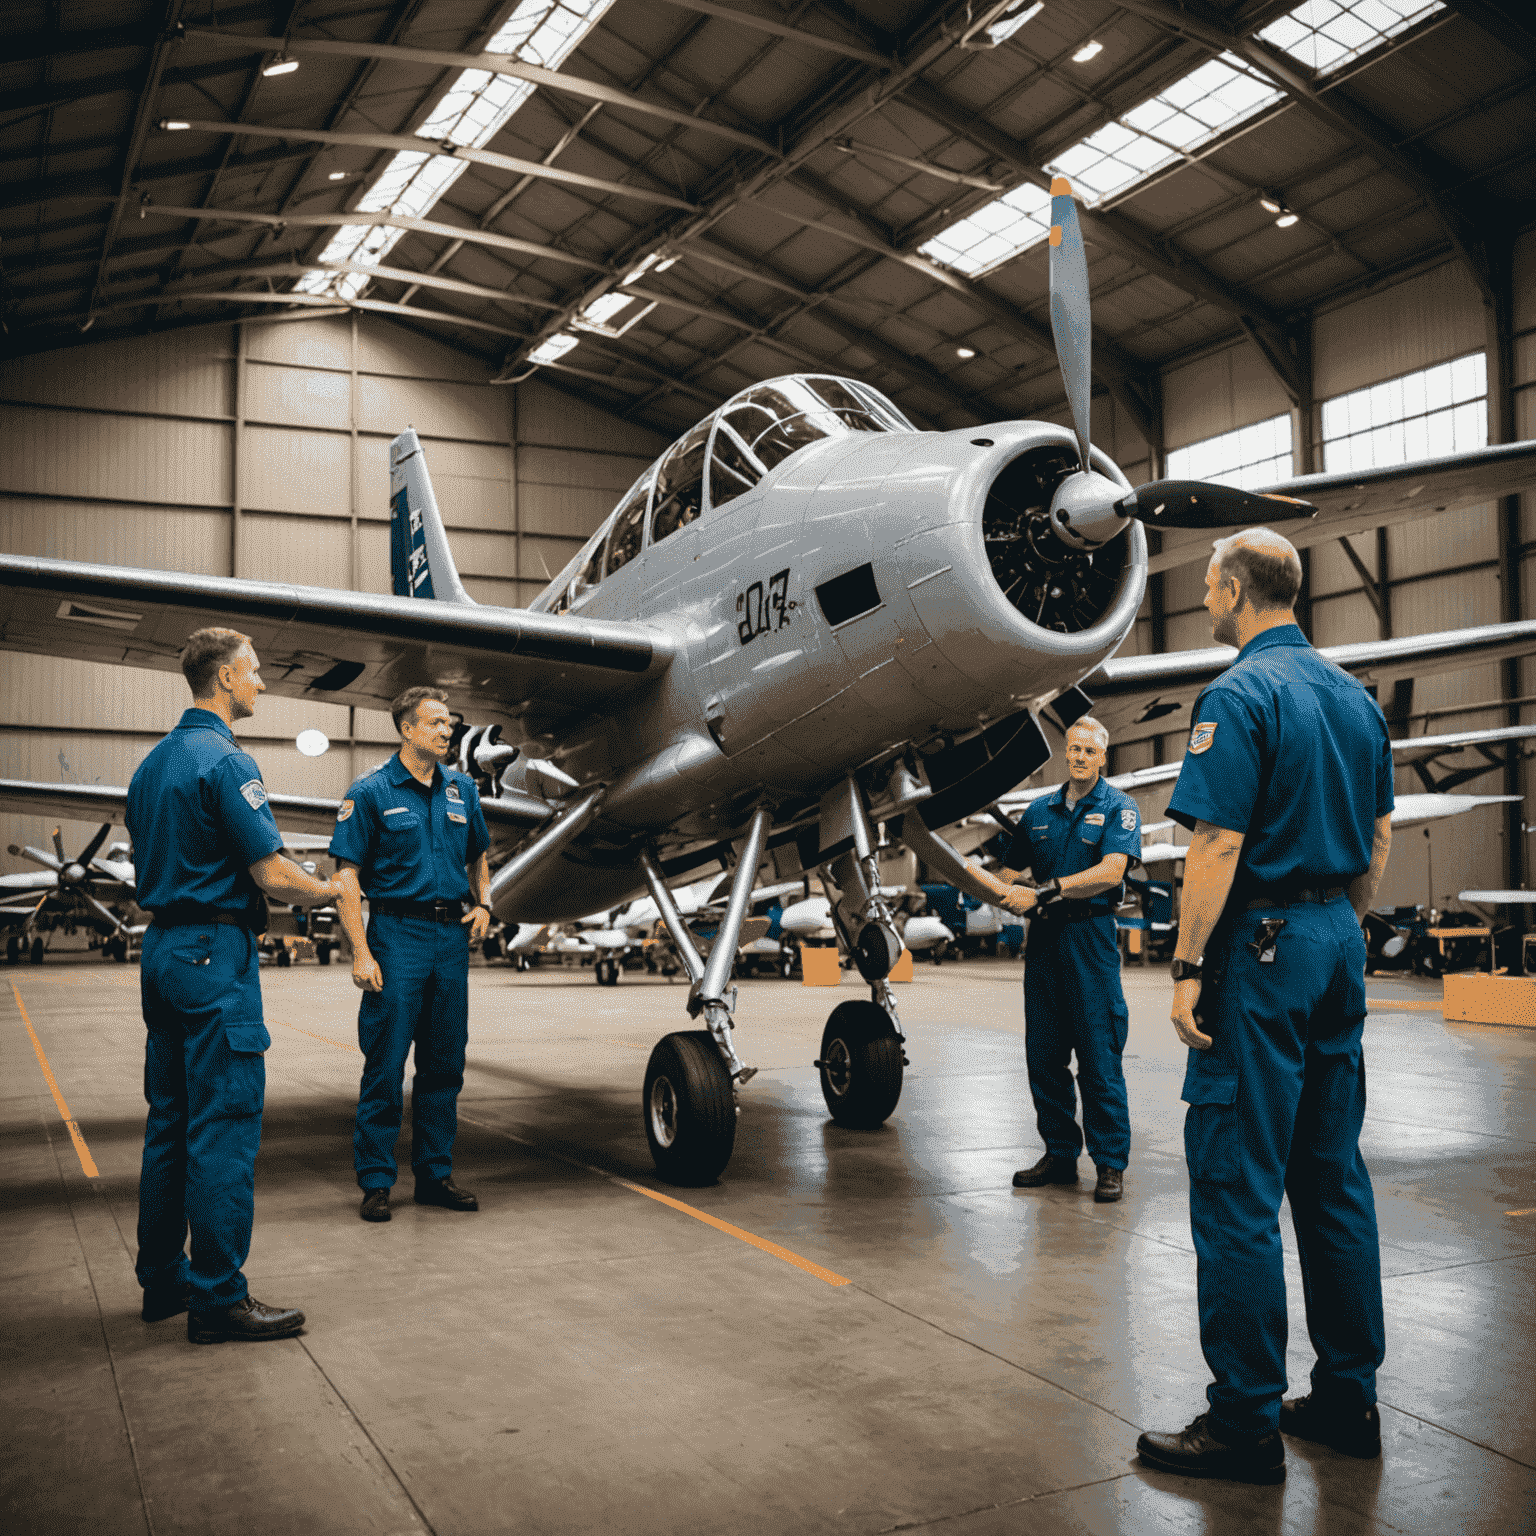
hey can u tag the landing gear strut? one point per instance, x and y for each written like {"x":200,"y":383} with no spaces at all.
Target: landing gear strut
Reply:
{"x":862,"y":1046}
{"x":691,"y":1079}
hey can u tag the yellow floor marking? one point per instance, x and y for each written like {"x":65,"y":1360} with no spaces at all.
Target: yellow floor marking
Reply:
{"x":1530,"y":1210}
{"x":83,"y":1152}
{"x":807,"y":1265}
{"x":1391,"y":1004}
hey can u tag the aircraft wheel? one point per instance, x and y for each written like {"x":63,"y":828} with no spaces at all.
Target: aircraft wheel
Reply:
{"x":37,"y":951}
{"x":323,"y":953}
{"x":284,"y":955}
{"x":607,"y":973}
{"x":861,"y":1062}
{"x":689,"y":1107}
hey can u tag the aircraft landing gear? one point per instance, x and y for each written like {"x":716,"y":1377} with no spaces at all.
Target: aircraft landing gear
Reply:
{"x":13,"y":949}
{"x":691,"y":1079}
{"x":606,"y":972}
{"x":861,"y":1062}
{"x":37,"y":951}
{"x":323,"y":953}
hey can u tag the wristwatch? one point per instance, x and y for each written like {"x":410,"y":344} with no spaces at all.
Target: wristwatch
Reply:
{"x":1047,"y":893}
{"x":1187,"y":970}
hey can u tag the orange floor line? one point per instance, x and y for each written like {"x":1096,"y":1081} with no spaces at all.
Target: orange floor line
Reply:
{"x":341,"y":1045}
{"x":83,"y":1152}
{"x":1394,"y":1004}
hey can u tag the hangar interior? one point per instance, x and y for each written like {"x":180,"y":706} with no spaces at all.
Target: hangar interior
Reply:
{"x":1311,"y":235}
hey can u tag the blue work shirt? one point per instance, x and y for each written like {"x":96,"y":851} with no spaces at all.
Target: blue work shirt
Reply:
{"x":1055,"y":840}
{"x":1291,"y":751}
{"x":411,"y":841}
{"x":199,"y":818}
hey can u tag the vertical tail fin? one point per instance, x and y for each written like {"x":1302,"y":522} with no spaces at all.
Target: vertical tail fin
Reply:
{"x":420,"y":560}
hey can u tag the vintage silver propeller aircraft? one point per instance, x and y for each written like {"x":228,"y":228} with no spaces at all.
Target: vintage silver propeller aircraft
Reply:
{"x":69,"y":893}
{"x":805,"y":618}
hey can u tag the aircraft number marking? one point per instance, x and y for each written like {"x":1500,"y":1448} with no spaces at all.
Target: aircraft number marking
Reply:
{"x":761,"y":609}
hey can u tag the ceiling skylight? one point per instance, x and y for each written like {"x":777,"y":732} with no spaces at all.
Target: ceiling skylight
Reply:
{"x":1326,"y":34}
{"x":1208,"y":101}
{"x":473,"y":111}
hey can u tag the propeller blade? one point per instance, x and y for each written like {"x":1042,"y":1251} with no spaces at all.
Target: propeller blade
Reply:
{"x":1071,"y":320}
{"x":1199,"y":504}
{"x":93,"y":847}
{"x":103,"y":911}
{"x":37,"y":856}
{"x":58,"y":847}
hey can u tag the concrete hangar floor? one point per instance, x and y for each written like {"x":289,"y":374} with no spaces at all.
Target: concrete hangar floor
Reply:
{"x":955,"y":1356}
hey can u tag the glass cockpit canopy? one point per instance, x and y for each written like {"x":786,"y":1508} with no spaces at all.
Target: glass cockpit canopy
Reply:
{"x":723,"y":457}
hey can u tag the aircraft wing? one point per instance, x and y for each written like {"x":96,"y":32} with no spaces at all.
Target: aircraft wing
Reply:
{"x":1131,"y":692}
{"x":1352,"y":501}
{"x":508,"y":813}
{"x":12,"y":886}
{"x":530,"y":672}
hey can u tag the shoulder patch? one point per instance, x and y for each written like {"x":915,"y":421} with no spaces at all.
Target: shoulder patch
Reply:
{"x":255,"y":793}
{"x":1201,"y":737}
{"x":1128,"y":819}
{"x":345,"y":809}
{"x":452,"y":791}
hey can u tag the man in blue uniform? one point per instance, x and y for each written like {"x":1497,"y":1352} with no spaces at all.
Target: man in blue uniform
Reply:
{"x":206,"y":849}
{"x":412,"y":835}
{"x":1077,"y":842}
{"x":1287,"y":786}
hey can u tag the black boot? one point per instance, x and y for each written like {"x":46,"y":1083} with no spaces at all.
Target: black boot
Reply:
{"x":446,"y":1193}
{"x":1110,"y":1187}
{"x":1354,"y":1431}
{"x":1196,"y":1452}
{"x":247,"y":1319}
{"x":375,"y":1206}
{"x":1049,"y":1170}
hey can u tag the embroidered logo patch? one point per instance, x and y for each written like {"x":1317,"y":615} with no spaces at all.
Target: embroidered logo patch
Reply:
{"x":455,"y":816}
{"x":1094,"y":819}
{"x":452,"y":792}
{"x":1201,"y":737}
{"x":344,"y":810}
{"x":1128,"y":819}
{"x":255,"y":793}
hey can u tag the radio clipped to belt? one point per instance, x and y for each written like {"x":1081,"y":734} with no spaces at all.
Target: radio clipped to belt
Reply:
{"x":1262,"y":945}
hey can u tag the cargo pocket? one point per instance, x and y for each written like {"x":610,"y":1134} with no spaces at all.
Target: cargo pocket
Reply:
{"x":245,"y":1077}
{"x":1210,"y":1128}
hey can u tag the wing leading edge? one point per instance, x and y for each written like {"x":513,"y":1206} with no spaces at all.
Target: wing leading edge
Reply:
{"x":524,"y":669}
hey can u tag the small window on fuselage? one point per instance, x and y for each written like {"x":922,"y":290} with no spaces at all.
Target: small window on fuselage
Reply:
{"x":732,"y":469}
{"x":628,"y":530}
{"x":680,"y":484}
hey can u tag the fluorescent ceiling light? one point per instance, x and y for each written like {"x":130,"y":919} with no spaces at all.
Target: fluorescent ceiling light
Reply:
{"x":602,"y":314}
{"x":173,"y":127}
{"x":474,"y":109}
{"x":669,"y":261}
{"x":1287,"y":218}
{"x":636,"y":273}
{"x":1327,"y":34}
{"x":312,"y":743}
{"x":965,"y":352}
{"x":281,"y":67}
{"x":1270,"y":203}
{"x":553,"y":349}
{"x":1208,"y":101}
{"x":1087,"y":51}
{"x":337,"y":176}
{"x":1000,"y":31}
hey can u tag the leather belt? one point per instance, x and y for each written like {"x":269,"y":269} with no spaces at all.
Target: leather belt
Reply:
{"x":199,"y":917}
{"x":1070,"y":912}
{"x":1285,"y":896}
{"x":428,"y":911}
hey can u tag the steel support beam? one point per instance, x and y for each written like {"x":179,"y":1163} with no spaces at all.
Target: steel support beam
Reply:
{"x":496,"y":63}
{"x":794,"y":34}
{"x":417,"y":146}
{"x":1199,"y":21}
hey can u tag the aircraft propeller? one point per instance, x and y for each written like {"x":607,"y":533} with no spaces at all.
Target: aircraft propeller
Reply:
{"x":1088,"y":509}
{"x":73,"y":873}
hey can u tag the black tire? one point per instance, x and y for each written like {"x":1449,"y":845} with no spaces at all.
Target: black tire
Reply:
{"x":689,"y":1109}
{"x":284,"y":955}
{"x":860,"y":1065}
{"x":323,"y":953}
{"x":37,"y":951}
{"x":490,"y":947}
{"x":13,"y":950}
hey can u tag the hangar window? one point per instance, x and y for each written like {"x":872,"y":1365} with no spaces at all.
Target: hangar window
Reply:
{"x":1249,"y":458}
{"x":1325,"y":34}
{"x":680,"y":484}
{"x":628,"y":528}
{"x":1423,"y":415}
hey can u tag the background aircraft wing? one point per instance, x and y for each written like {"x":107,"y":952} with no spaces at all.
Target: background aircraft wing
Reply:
{"x":1139,"y":696}
{"x":531,"y":672}
{"x":507,"y":814}
{"x":1353,"y":500}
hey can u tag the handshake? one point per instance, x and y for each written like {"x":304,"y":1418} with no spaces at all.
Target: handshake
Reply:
{"x":1021,"y":899}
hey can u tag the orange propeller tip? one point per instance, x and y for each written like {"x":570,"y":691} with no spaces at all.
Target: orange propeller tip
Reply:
{"x":1060,"y":187}
{"x":1055,"y":234}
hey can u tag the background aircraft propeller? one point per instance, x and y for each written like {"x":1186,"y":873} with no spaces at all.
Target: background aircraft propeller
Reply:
{"x":1088,"y":509}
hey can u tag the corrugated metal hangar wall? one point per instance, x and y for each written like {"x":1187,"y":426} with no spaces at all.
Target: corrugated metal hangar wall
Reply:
{"x":260,"y":450}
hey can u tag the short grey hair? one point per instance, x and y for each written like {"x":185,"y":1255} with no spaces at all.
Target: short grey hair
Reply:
{"x":1088,"y":723}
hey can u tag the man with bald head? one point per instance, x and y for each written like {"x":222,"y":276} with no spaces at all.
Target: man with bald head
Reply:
{"x":1287,"y":788}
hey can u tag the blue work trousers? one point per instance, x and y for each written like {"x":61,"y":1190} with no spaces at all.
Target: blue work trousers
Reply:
{"x":1275,"y":1107}
{"x":425,"y":1002}
{"x":204,"y":1080}
{"x":1073,"y":1002}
